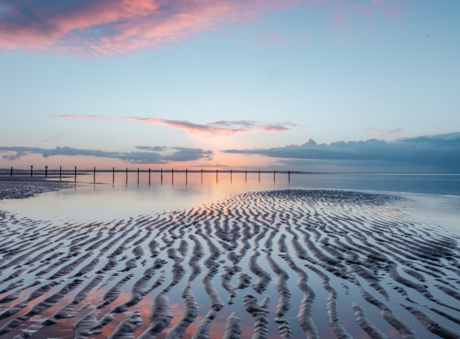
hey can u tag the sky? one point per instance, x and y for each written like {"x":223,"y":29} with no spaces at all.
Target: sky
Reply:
{"x":306,"y":85}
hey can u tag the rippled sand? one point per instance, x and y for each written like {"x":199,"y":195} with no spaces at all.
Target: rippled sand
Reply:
{"x":273,"y":264}
{"x":15,"y":188}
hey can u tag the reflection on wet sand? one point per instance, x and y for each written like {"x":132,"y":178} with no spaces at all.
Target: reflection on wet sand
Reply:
{"x":269,"y":264}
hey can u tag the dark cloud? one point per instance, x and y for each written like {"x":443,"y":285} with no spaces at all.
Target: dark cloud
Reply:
{"x":437,"y":151}
{"x":152,"y":148}
{"x":18,"y":155}
{"x":188,"y":154}
{"x":180,"y":154}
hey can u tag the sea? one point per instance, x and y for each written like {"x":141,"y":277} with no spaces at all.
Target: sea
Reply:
{"x":104,"y":197}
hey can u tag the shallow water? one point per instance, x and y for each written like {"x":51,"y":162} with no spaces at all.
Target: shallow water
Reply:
{"x":437,"y":195}
{"x":409,"y":225}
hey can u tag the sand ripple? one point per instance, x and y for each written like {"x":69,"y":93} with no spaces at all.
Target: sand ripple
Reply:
{"x":327,"y":250}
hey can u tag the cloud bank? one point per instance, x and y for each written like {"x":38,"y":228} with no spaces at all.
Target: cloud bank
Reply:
{"x":438,"y":151}
{"x":213,"y":129}
{"x":179,"y":154}
{"x":107,"y":27}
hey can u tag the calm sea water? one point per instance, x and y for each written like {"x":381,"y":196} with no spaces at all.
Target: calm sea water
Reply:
{"x":435,"y":196}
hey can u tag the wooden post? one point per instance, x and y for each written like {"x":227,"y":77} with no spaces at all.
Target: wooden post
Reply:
{"x":217,"y":175}
{"x":31,"y":170}
{"x":75,"y":172}
{"x":246,"y":175}
{"x":172,"y":175}
{"x":138,"y":176}
{"x":94,"y":176}
{"x":126,"y":176}
{"x":259,"y":175}
{"x":201,"y":175}
{"x":11,"y":172}
{"x":149,"y":176}
{"x":186,"y":176}
{"x":162,"y":176}
{"x":289,"y":176}
{"x":46,"y":172}
{"x":274,"y":175}
{"x":60,"y":171}
{"x":113,"y":175}
{"x":231,"y":174}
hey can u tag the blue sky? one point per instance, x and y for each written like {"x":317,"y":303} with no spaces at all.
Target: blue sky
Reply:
{"x":270,"y":75}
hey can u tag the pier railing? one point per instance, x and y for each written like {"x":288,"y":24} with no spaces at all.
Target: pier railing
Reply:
{"x":76,"y":172}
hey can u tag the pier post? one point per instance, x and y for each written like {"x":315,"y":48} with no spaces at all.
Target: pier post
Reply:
{"x":126,"y":176}
{"x":31,"y":170}
{"x":274,"y":176}
{"x":11,"y":172}
{"x":231,"y":174}
{"x":75,"y":173}
{"x":186,"y":176}
{"x":94,"y":175}
{"x":172,"y":175}
{"x":149,"y":176}
{"x":138,"y":176}
{"x":46,"y":172}
{"x":246,"y":175}
{"x":161,"y":176}
{"x":259,"y":175}
{"x":201,"y":175}
{"x":60,"y":171}
{"x":113,"y":175}
{"x":289,"y":176}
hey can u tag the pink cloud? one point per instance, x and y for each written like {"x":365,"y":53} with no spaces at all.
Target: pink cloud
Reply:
{"x":214,"y":129}
{"x":107,"y":27}
{"x":394,"y":9}
{"x":382,"y":132}
{"x":118,"y":26}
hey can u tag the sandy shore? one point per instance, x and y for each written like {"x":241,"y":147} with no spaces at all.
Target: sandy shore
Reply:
{"x":275,"y":264}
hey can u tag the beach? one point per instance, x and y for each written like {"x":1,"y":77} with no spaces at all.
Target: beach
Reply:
{"x":286,"y":263}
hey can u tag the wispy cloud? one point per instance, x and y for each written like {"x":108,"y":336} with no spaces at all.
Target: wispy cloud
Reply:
{"x":438,"y":151}
{"x":107,"y":27}
{"x":54,"y":137}
{"x":213,"y":129}
{"x":382,"y":132}
{"x":180,"y":154}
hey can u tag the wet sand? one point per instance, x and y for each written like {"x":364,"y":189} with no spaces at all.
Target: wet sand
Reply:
{"x":270,"y":264}
{"x":28,"y":187}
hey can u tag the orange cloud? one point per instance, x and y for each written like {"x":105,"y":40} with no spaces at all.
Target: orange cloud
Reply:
{"x":213,"y":129}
